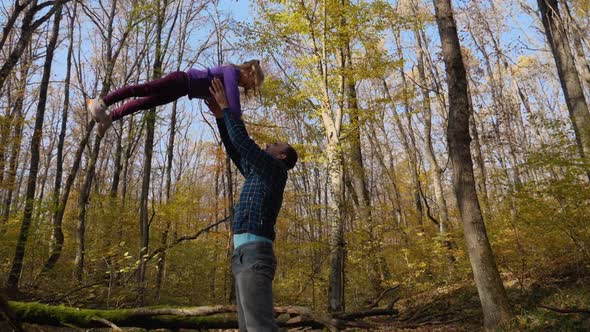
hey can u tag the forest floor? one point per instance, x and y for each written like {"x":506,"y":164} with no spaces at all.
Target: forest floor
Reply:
{"x":457,"y":308}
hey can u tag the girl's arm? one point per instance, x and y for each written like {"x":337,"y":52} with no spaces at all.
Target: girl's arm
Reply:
{"x":230,"y":81}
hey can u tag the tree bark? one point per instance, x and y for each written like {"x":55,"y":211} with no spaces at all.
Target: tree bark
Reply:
{"x":495,"y":305}
{"x":17,"y":263}
{"x":336,"y":240}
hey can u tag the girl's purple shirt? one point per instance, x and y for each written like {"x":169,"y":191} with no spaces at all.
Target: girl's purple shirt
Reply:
{"x":199,"y":82}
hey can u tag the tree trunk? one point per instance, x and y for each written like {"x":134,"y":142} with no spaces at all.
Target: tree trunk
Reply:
{"x":170,"y":157}
{"x":117,"y":170}
{"x":482,"y":186}
{"x":18,"y":124}
{"x":6,"y":124}
{"x":164,"y":239}
{"x":57,"y":238}
{"x":82,"y":205}
{"x":412,"y":167}
{"x":358,"y":179}
{"x":17,"y":263}
{"x":144,"y":218}
{"x":577,"y":34}
{"x":392,"y":189}
{"x":495,"y":305}
{"x":110,"y":58}
{"x":337,"y":244}
{"x":332,"y":130}
{"x":435,"y":170}
{"x":568,"y":75}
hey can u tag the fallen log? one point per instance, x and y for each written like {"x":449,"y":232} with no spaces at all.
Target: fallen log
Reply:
{"x":9,"y":315}
{"x":565,"y":310}
{"x":368,"y":313}
{"x":208,"y":317}
{"x":42,"y":314}
{"x":373,"y":304}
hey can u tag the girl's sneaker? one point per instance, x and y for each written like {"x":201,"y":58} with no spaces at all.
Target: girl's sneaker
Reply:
{"x":98,"y":110}
{"x":104,"y":125}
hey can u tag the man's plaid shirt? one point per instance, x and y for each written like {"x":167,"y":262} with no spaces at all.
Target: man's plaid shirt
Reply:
{"x":262,"y":194}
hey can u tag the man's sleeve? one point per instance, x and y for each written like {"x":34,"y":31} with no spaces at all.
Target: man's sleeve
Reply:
{"x":262,"y":162}
{"x":233,"y":154}
{"x":230,"y":83}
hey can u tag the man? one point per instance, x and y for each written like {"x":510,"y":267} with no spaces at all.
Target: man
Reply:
{"x":253,"y":261}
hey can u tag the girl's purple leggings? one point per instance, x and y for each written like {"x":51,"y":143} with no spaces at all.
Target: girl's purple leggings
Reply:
{"x":154,"y":93}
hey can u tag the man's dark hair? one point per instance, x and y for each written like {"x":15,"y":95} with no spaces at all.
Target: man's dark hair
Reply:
{"x":291,"y":158}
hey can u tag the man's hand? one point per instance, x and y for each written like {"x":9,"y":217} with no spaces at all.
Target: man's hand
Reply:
{"x":214,"y":107}
{"x":218,"y":93}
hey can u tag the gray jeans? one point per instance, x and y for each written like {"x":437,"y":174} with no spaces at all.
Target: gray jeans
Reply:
{"x":253,"y":267}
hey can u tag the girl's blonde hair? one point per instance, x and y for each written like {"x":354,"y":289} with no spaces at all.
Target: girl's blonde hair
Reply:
{"x":254,"y":66}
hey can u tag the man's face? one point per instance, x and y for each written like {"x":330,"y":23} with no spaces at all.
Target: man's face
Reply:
{"x":277,"y":150}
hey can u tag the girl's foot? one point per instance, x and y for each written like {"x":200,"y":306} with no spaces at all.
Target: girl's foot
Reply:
{"x":104,"y":125}
{"x":98,"y":110}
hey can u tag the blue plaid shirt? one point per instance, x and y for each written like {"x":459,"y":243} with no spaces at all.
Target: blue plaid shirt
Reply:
{"x":262,"y":194}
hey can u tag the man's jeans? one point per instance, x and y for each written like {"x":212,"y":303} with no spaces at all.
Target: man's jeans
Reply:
{"x":253,"y":267}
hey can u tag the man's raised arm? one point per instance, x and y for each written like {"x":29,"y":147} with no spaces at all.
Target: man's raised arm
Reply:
{"x":233,"y":154}
{"x":261,"y":161}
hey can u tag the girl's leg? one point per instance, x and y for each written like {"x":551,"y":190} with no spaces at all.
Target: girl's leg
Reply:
{"x":144,"y":103}
{"x":173,"y":84}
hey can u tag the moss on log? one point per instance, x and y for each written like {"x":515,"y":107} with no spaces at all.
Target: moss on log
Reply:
{"x":207,"y":317}
{"x":43,"y":314}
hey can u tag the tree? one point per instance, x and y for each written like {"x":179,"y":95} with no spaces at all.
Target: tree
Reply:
{"x":28,"y":27}
{"x":568,"y":75}
{"x":57,"y":237}
{"x":492,"y":295}
{"x":144,"y":218}
{"x":17,"y":263}
{"x":17,"y":134}
{"x":112,"y":54}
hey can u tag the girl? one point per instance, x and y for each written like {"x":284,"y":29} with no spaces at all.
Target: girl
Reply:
{"x":194,"y":83}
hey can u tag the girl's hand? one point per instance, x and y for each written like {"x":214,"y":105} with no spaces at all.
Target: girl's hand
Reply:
{"x":218,"y":93}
